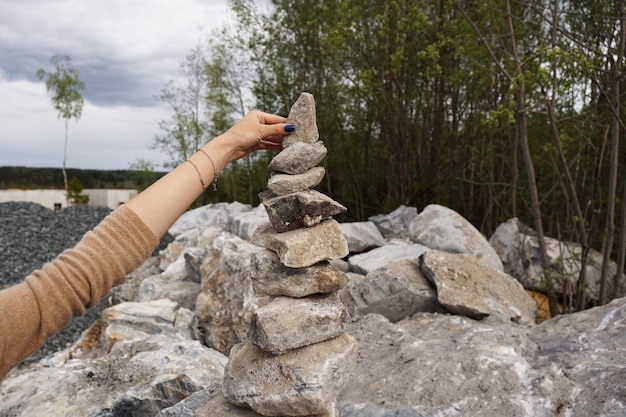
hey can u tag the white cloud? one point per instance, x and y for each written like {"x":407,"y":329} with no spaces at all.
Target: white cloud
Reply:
{"x":103,"y":138}
{"x":125,"y":50}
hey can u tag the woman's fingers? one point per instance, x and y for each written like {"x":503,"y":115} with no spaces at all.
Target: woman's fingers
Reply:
{"x":270,"y":119}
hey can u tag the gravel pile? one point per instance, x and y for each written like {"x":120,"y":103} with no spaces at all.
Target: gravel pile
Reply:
{"x":30,"y":236}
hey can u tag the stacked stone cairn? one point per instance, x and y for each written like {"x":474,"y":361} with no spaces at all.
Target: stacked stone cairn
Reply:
{"x":297,"y":358}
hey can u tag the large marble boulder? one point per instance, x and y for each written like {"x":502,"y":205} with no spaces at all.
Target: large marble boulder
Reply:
{"x":446,"y":365}
{"x":517,"y":246}
{"x":468,"y":287}
{"x":136,"y":360}
{"x":395,"y":224}
{"x":396,"y":290}
{"x":441,"y":228}
{"x":226,"y":303}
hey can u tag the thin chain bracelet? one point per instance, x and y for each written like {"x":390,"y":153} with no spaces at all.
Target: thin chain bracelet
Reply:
{"x":198,"y":171}
{"x":215,"y":173}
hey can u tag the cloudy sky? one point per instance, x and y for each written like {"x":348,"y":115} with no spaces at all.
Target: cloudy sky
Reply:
{"x":125,"y":51}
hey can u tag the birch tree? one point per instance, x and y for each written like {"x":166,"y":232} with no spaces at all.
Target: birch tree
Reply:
{"x":65,"y":86}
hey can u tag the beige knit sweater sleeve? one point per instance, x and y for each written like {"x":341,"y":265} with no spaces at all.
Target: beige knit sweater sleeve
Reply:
{"x":48,"y":299}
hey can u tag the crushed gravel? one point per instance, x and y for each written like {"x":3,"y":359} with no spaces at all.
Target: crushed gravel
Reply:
{"x":30,"y":236}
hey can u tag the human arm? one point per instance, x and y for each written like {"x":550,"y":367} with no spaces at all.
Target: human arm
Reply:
{"x":49,"y":298}
{"x":164,"y":201}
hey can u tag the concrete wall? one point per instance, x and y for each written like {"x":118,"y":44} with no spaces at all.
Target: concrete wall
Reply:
{"x":55,"y":199}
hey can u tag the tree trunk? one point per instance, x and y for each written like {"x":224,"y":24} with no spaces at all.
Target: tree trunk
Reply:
{"x":621,"y":252}
{"x":67,"y":200}
{"x":609,"y":233}
{"x":522,"y":132}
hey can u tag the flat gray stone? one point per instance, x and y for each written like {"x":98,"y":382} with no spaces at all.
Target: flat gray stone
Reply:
{"x":289,"y":323}
{"x":298,"y":158}
{"x":270,"y":277}
{"x":281,"y":184}
{"x":301,"y":382}
{"x":296,"y":210}
{"x":304,"y":247}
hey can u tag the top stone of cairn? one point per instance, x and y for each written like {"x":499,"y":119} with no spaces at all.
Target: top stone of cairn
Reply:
{"x":303,"y":116}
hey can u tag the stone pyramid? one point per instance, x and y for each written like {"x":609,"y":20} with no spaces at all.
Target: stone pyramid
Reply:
{"x":297,"y":357}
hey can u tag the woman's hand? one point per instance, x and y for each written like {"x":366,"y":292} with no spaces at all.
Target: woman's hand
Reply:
{"x":164,"y":201}
{"x":256,"y":131}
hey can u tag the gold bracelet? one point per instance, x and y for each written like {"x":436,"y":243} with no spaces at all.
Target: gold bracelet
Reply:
{"x":198,"y":171}
{"x":215,"y":173}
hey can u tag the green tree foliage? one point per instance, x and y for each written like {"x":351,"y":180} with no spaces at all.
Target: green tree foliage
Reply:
{"x":75,"y":193}
{"x":188,"y":126}
{"x":144,"y":171}
{"x":65,"y":86}
{"x":42,"y":178}
{"x":495,"y":109}
{"x":214,"y":91}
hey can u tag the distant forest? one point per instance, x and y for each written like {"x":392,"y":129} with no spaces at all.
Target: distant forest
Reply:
{"x":52,"y":178}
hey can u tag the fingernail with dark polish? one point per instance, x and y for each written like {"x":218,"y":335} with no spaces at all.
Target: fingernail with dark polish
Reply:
{"x":290,"y":128}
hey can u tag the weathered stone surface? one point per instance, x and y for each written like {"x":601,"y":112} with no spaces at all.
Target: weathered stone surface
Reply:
{"x":126,"y":321}
{"x":301,"y":382}
{"x":304,"y":247}
{"x":225,"y":306}
{"x":170,"y":254}
{"x":362,"y":236}
{"x":270,"y":277}
{"x":180,"y":369}
{"x":288,"y":323}
{"x":298,"y":158}
{"x":471,"y":288}
{"x":441,"y":228}
{"x":138,"y":377}
{"x":156,"y":287}
{"x":373,"y":410}
{"x":214,"y":215}
{"x":366,"y":262}
{"x":426,"y":365}
{"x":396,"y":290}
{"x":296,"y":210}
{"x":588,"y":348}
{"x":208,"y":402}
{"x":129,"y":289}
{"x":303,"y":116}
{"x":244,"y":224}
{"x":181,"y":261}
{"x":396,"y":223}
{"x":281,"y":184}
{"x":444,"y":365}
{"x":518,"y":248}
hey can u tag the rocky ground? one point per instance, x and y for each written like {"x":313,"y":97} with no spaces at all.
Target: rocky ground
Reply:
{"x":30,"y":236}
{"x":440,"y":333}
